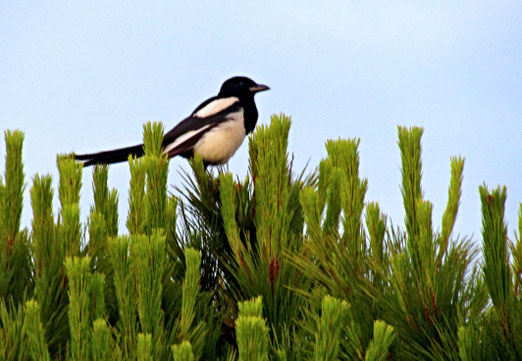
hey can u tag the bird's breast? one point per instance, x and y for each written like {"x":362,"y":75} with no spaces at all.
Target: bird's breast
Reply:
{"x":221,"y":142}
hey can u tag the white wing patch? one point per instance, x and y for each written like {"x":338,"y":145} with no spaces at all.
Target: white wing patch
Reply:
{"x":183,"y":138}
{"x":221,"y":142}
{"x":215,"y":107}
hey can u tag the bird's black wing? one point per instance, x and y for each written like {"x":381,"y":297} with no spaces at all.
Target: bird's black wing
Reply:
{"x":181,"y":139}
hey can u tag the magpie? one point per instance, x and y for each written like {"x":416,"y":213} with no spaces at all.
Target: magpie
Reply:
{"x":214,"y":130}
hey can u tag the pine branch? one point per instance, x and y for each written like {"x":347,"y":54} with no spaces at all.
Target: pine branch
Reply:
{"x":148,"y":266}
{"x":125,"y":294}
{"x":252,"y":332}
{"x":102,"y":345}
{"x":35,"y":333}
{"x":156,"y":170}
{"x":137,"y":216}
{"x":183,"y":352}
{"x":410,"y":147}
{"x":11,"y":194}
{"x":190,"y":291}
{"x":383,"y":336}
{"x":69,"y":228}
{"x":494,"y":241}
{"x":145,"y":347}
{"x":334,"y":314}
{"x":80,"y":318}
{"x":450,"y":214}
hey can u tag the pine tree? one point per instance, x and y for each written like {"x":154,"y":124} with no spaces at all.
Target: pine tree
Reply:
{"x":277,"y":266}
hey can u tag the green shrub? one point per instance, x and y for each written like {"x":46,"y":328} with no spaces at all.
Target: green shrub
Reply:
{"x":278,"y":266}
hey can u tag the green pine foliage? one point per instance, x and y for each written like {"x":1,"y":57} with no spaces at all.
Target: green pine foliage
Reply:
{"x":276,"y":266}
{"x":252,"y":332}
{"x":102,"y":343}
{"x":183,"y":352}
{"x":330,"y":325}
{"x":34,"y":332}
{"x":15,"y":262}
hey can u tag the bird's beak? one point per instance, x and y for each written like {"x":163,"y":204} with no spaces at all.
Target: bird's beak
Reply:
{"x":258,"y":88}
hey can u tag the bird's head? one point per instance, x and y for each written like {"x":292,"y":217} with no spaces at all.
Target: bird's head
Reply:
{"x":240,"y":86}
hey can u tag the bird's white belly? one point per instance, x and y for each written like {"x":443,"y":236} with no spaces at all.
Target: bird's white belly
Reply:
{"x":221,"y":142}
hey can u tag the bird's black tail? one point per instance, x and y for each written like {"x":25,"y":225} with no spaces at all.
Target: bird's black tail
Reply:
{"x":110,"y":156}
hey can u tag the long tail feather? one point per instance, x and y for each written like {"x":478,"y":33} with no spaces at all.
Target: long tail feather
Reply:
{"x":110,"y":156}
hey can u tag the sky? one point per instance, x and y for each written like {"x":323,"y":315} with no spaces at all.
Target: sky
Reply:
{"x":85,"y":76}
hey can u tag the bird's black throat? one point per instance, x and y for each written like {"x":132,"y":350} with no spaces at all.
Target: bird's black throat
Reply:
{"x":250,"y":113}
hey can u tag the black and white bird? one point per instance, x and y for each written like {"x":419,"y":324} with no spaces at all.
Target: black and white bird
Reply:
{"x":214,"y":131}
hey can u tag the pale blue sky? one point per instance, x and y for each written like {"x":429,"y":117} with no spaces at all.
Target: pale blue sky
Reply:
{"x":84,"y":76}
